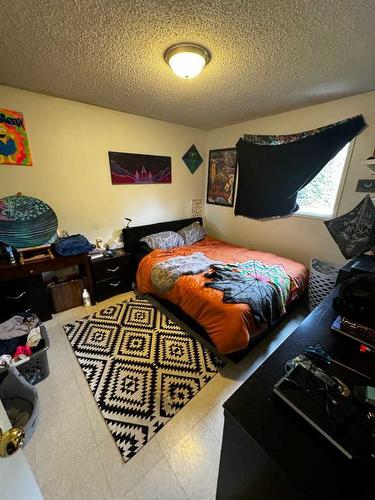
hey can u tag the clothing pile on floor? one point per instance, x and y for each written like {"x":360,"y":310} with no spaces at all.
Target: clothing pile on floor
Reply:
{"x":19,"y":337}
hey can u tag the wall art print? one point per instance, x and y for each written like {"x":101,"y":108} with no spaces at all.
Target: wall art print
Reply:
{"x":131,"y":168}
{"x":196,"y":207}
{"x":222,"y":171}
{"x":14,"y":144}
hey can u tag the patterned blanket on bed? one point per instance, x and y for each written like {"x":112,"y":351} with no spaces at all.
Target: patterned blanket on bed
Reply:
{"x":165,"y":274}
{"x":266,"y":288}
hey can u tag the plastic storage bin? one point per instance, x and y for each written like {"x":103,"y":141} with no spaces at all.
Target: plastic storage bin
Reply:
{"x":321,"y":282}
{"x":14,"y":386}
{"x":36,"y":368}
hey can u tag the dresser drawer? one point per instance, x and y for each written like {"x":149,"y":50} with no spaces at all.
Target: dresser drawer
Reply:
{"x":110,"y":268}
{"x":113,"y":286}
{"x":19,"y":295}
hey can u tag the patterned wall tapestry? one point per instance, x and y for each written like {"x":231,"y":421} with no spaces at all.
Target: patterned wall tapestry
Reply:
{"x":14,"y":144}
{"x":26,"y":221}
{"x":222,"y":169}
{"x":354,"y":232}
{"x":192,"y":159}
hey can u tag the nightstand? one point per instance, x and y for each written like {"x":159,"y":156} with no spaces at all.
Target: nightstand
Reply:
{"x":111,"y":275}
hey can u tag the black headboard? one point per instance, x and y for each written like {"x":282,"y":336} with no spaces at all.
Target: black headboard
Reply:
{"x":132,"y":235}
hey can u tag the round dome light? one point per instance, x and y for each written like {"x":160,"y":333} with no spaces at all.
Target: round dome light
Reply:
{"x":187,"y":59}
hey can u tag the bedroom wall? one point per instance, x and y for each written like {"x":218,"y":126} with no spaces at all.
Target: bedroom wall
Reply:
{"x":299,"y":238}
{"x":69,"y":145}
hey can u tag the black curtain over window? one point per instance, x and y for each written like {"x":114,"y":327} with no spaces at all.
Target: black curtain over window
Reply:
{"x":270,"y":175}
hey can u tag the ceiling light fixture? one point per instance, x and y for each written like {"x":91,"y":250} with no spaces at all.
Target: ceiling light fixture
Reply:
{"x":187,"y":59}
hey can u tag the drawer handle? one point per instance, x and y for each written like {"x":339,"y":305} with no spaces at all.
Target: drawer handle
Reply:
{"x":115,"y":284}
{"x":18,"y":296}
{"x":113,"y":270}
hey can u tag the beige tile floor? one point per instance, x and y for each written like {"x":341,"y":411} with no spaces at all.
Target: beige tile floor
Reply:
{"x":73,"y":455}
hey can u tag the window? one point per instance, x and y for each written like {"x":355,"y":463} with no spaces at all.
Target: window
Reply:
{"x":319,"y":198}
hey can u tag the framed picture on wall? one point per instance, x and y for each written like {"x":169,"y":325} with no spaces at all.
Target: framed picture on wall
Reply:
{"x":222,"y":171}
{"x":14,"y":144}
{"x":131,"y":168}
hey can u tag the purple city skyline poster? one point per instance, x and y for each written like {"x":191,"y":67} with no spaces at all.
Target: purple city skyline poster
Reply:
{"x":131,"y":168}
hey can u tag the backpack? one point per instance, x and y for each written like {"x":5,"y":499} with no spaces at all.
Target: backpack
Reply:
{"x":73,"y":245}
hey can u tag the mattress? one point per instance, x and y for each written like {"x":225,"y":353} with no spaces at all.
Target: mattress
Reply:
{"x":230,"y":326}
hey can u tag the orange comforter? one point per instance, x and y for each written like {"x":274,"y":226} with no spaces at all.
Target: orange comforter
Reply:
{"x":230,"y":326}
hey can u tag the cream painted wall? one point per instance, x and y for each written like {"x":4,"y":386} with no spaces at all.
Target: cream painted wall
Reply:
{"x":296,"y":237}
{"x":69,"y":145}
{"x":70,"y":141}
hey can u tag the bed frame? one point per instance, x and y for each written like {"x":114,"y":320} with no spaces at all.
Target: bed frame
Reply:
{"x":132,"y":245}
{"x":132,"y":236}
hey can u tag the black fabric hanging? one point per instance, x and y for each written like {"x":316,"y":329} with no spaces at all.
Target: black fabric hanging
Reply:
{"x":270,"y":176}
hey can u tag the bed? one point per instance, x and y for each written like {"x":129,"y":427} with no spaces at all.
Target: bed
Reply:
{"x":230,"y":327}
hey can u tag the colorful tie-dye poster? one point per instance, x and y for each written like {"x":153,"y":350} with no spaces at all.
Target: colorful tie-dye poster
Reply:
{"x":14,"y":145}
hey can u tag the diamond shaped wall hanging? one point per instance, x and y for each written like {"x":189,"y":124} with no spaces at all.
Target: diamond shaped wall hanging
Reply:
{"x":192,"y":159}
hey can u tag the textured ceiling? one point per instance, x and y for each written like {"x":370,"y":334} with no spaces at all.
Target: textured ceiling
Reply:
{"x":267,"y":55}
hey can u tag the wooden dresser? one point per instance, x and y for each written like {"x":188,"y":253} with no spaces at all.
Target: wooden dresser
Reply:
{"x":22,"y":286}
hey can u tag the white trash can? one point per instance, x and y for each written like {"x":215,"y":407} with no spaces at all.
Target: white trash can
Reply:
{"x":321,"y":282}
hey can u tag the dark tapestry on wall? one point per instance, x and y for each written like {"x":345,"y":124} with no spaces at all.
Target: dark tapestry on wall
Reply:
{"x":354,"y":232}
{"x":273,"y":169}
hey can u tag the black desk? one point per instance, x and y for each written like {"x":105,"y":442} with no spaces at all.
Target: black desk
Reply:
{"x":22,"y":286}
{"x":268,"y":452}
{"x":347,"y":272}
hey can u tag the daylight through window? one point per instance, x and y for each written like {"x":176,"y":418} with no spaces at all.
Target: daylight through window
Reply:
{"x":319,"y":197}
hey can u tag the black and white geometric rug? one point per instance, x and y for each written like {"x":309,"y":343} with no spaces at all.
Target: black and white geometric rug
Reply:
{"x":142,"y":368}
